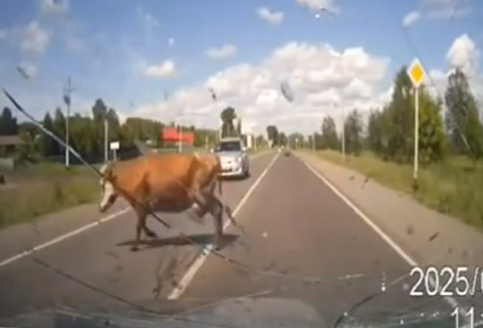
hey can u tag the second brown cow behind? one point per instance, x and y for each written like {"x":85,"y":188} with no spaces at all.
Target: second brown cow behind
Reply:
{"x":169,"y":183}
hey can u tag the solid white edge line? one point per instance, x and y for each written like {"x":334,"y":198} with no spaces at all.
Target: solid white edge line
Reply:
{"x":201,"y":258}
{"x":450,"y":300}
{"x":79,"y":230}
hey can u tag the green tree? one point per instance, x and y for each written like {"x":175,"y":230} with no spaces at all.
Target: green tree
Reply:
{"x":329,"y":138}
{"x":30,"y":149}
{"x":228,"y":115}
{"x":82,"y":138}
{"x":272,"y":135}
{"x":48,"y":144}
{"x":399,"y":127}
{"x":8,"y":123}
{"x":375,"y":132}
{"x":99,"y":114}
{"x":431,"y":130}
{"x":296,"y":140}
{"x":59,"y":128}
{"x":260,"y":140}
{"x":353,"y":133}
{"x":282,"y":139}
{"x":390,"y":132}
{"x":239,"y":127}
{"x":462,"y":121}
{"x":114,"y":125}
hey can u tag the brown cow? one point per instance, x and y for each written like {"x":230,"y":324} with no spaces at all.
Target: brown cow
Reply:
{"x":169,"y":183}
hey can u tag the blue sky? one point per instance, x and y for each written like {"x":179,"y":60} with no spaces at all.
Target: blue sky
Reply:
{"x":107,"y":45}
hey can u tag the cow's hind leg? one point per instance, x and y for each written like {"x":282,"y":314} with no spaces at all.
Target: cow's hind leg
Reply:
{"x":150,"y":233}
{"x":216,"y":209}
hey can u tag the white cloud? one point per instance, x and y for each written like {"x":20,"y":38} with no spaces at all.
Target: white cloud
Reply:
{"x":224,"y":51}
{"x":411,"y":18}
{"x":171,"y":42}
{"x":164,"y":70}
{"x":464,"y":54}
{"x":34,"y":38}
{"x":273,"y":17}
{"x":319,"y":75}
{"x":31,"y":38}
{"x":57,"y":7}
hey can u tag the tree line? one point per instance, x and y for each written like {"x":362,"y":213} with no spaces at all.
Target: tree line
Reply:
{"x":231,"y":126}
{"x":86,"y":133}
{"x":448,"y":126}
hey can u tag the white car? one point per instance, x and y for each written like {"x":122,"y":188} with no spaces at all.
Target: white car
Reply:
{"x":234,"y":158}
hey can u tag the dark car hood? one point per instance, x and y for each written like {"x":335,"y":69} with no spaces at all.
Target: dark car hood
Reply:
{"x":237,"y":313}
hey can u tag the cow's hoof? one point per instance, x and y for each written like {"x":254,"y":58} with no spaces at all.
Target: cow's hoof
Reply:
{"x":151,"y":234}
{"x":217,"y":246}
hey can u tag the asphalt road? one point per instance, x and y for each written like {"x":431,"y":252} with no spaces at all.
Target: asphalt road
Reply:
{"x":296,"y":230}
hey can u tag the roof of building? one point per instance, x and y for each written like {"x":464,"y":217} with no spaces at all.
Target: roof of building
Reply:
{"x":9,"y":140}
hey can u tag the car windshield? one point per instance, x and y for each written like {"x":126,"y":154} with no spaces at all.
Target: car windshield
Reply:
{"x":228,"y":146}
{"x":201,"y":151}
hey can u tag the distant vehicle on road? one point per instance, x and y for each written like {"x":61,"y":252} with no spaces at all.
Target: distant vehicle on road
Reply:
{"x":234,"y":157}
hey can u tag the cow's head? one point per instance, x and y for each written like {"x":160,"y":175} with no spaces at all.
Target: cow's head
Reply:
{"x":109,"y":194}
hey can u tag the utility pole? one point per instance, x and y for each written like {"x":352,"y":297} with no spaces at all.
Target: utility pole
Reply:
{"x":67,"y":101}
{"x":106,"y":140}
{"x":343,"y":133}
{"x":180,"y":138}
{"x":313,"y":141}
{"x":255,"y":142}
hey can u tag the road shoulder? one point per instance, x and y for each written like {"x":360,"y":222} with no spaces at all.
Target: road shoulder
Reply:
{"x":427,"y":236}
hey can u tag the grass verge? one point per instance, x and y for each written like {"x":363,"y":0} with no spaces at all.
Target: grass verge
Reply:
{"x":42,"y":189}
{"x":453,"y":187}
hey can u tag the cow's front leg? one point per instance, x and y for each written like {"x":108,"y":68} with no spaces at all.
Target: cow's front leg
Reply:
{"x":216,"y":210}
{"x":140,"y":226}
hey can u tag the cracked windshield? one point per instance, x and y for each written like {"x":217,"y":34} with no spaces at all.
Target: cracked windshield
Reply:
{"x":297,"y":163}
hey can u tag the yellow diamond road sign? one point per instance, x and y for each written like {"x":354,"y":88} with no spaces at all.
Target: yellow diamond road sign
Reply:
{"x":416,"y":73}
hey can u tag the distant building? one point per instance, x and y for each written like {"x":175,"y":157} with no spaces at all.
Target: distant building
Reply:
{"x":9,"y":145}
{"x":8,"y":148}
{"x":171,"y":135}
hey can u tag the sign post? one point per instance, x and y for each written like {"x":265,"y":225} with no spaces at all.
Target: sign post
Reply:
{"x":416,"y":74}
{"x":114,"y":148}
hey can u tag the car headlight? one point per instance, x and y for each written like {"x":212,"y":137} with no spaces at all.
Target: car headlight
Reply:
{"x":239,"y":159}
